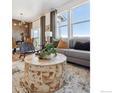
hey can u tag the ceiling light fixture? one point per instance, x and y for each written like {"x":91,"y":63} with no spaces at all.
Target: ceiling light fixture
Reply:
{"x":21,"y":21}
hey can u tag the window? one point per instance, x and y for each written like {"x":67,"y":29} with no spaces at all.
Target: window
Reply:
{"x":62,"y":25}
{"x":74,"y":22}
{"x":35,"y":33}
{"x":81,"y":20}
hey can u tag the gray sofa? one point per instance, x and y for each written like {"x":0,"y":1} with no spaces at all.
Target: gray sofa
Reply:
{"x":77,"y":56}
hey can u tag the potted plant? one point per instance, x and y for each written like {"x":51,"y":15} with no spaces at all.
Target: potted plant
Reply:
{"x":48,"y":52}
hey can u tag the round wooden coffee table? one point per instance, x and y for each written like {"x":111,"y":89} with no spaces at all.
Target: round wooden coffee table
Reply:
{"x":44,"y":76}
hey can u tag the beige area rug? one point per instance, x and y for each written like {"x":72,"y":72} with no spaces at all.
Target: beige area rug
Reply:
{"x":77,"y":79}
{"x":15,"y":57}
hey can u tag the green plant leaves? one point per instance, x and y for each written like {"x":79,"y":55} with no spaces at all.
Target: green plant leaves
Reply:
{"x":48,"y":50}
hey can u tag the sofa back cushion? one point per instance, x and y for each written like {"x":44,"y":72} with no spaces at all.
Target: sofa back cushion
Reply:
{"x":73,"y":41}
{"x":82,"y":46}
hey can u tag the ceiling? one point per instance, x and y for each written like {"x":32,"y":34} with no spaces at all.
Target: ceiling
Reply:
{"x":33,"y":9}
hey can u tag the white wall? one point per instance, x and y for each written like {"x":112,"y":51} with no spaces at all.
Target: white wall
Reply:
{"x":36,"y":24}
{"x":47,"y":18}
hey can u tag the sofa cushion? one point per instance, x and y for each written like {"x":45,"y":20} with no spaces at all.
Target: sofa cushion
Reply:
{"x":82,"y":46}
{"x":73,"y":41}
{"x":75,"y":53}
{"x":62,"y":44}
{"x":63,"y":51}
{"x":78,"y":54}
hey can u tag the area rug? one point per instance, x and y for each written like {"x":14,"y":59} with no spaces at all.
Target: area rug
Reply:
{"x":74,"y":83}
{"x":16,"y":57}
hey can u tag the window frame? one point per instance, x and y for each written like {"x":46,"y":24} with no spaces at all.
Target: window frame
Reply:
{"x":86,"y":2}
{"x":68,"y":12}
{"x":36,"y":38}
{"x":70,"y":27}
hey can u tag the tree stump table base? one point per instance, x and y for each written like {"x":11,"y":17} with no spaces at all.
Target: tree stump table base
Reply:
{"x":44,"y":78}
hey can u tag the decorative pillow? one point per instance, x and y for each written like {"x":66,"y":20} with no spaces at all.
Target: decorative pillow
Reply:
{"x":82,"y":46}
{"x":62,"y":44}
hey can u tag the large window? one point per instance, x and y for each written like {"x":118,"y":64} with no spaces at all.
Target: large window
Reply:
{"x":81,"y":20}
{"x":62,"y":24}
{"x":74,"y":22}
{"x":35,"y":33}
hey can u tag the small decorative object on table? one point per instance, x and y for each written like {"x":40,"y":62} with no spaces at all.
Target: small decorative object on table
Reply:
{"x":48,"y":52}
